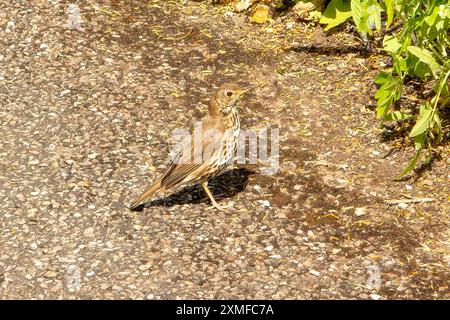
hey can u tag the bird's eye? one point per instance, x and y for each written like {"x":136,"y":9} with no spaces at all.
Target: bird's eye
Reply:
{"x":229,"y":93}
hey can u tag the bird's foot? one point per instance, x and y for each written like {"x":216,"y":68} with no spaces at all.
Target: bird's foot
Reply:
{"x":211,"y":198}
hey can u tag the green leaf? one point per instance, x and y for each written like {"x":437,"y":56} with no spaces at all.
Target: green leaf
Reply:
{"x":437,"y":121}
{"x":444,"y":11}
{"x":389,"y":92}
{"x":396,"y":116}
{"x":417,"y":68}
{"x":390,"y":11}
{"x":411,"y":165}
{"x":400,"y":64}
{"x":382,"y":92}
{"x":391,"y":44}
{"x":445,"y":91}
{"x":423,"y":123}
{"x":426,"y":57}
{"x":419,"y":141}
{"x":357,"y":14}
{"x":336,"y":13}
{"x":383,"y":105}
{"x":391,"y":84}
{"x":382,"y":77}
{"x":431,"y":18}
{"x":385,"y":90}
{"x":374,"y":17}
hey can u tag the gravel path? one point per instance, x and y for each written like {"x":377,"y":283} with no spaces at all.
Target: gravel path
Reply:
{"x":86,"y":119}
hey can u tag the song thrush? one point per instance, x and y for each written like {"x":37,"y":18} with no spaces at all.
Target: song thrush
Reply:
{"x":208,"y":152}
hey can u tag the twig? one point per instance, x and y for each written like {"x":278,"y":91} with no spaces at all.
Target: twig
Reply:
{"x":389,"y":152}
{"x":412,"y":200}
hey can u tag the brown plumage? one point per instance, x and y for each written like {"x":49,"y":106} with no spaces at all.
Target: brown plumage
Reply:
{"x":211,"y":147}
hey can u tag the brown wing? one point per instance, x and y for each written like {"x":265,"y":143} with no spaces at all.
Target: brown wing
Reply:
{"x":192,"y":162}
{"x":196,"y":155}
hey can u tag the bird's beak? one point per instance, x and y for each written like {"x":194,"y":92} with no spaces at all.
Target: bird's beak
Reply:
{"x":242,"y":92}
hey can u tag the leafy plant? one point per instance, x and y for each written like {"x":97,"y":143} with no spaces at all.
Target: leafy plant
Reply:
{"x":336,"y":13}
{"x":418,"y":48}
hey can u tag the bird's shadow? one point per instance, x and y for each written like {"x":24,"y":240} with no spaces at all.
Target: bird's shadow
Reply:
{"x":226,"y":185}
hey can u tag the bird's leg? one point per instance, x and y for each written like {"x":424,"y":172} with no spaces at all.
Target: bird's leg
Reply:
{"x":213,"y":201}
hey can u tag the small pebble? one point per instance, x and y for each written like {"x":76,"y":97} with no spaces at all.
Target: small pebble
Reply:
{"x":9,"y":26}
{"x":264,"y":203}
{"x":360,"y":211}
{"x":89,"y":232}
{"x":314,"y":272}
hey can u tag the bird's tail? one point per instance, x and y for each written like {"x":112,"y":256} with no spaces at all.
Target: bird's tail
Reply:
{"x":145,"y":196}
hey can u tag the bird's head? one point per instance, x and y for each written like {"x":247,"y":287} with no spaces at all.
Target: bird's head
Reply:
{"x":225,"y":98}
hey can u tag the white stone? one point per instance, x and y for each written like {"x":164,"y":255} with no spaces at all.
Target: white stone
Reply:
{"x":257,"y":188}
{"x":243,"y":4}
{"x":89,"y":232}
{"x":374,"y":296}
{"x":9,"y":26}
{"x":264,"y":203}
{"x":314,"y":272}
{"x":144,"y":267}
